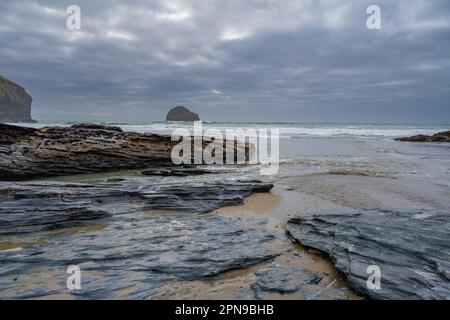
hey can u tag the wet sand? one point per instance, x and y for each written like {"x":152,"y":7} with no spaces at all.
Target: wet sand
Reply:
{"x":274,"y":209}
{"x":291,"y":196}
{"x":303,"y":195}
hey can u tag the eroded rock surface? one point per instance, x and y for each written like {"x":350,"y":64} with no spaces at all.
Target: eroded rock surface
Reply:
{"x":27,"y":153}
{"x":85,"y":148}
{"x":129,"y":238}
{"x":32,"y":206}
{"x":286,"y":280}
{"x":412,"y":249}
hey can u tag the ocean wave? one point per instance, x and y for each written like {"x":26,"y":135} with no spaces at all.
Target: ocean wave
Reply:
{"x":300,"y":130}
{"x":286,"y":130}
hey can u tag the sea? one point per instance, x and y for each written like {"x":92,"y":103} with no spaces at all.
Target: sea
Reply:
{"x":310,"y":148}
{"x":124,"y":249}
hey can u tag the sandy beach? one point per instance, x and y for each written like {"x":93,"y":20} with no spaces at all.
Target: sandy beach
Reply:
{"x":305,"y":196}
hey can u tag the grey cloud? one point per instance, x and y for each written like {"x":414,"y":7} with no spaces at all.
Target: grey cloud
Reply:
{"x":231,"y":60}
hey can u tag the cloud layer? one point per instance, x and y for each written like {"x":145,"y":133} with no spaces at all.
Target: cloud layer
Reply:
{"x":230,"y":60}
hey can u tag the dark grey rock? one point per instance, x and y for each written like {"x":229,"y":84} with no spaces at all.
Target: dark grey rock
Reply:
{"x":295,"y":283}
{"x":15,"y":102}
{"x":438,"y":137}
{"x":412,"y":249}
{"x":29,"y":207}
{"x":286,"y":280}
{"x":131,"y":244}
{"x":181,"y":113}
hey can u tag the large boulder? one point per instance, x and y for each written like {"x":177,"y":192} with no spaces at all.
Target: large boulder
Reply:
{"x":181,"y":113}
{"x":15,"y":102}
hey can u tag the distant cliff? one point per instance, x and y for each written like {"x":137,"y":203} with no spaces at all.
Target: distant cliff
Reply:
{"x":15,"y":102}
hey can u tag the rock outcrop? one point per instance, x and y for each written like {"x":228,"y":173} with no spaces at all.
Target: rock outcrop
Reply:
{"x":412,"y":250}
{"x":181,"y":113}
{"x":120,"y":238}
{"x":438,"y":137}
{"x":84,"y":148}
{"x":30,"y":206}
{"x":15,"y":102}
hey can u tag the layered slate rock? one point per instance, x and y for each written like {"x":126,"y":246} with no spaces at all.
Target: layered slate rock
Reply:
{"x":181,"y":113}
{"x":438,"y":137}
{"x":30,"y":206}
{"x":85,"y":148}
{"x":129,"y":238}
{"x":286,"y":280}
{"x":412,"y":249}
{"x":15,"y":102}
{"x":27,"y":153}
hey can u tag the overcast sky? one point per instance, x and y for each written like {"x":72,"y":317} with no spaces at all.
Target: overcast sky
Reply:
{"x":231,"y":60}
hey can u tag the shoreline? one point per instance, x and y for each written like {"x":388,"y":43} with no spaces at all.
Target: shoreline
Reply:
{"x":209,"y":236}
{"x":269,"y":212}
{"x":229,"y":286}
{"x":296,"y":196}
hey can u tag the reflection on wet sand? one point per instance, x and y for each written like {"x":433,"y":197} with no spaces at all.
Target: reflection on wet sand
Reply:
{"x":11,"y":246}
{"x":129,"y":238}
{"x":261,"y":210}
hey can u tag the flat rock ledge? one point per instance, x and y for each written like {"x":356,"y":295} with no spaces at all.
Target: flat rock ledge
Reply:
{"x":129,"y":234}
{"x":412,"y":250}
{"x":438,"y":137}
{"x":37,"y":205}
{"x":27,"y":153}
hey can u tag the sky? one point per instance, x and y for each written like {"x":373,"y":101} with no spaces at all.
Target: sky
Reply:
{"x":231,"y":60}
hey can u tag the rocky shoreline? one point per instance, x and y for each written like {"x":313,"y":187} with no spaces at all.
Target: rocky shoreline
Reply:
{"x":122,"y":234}
{"x":438,"y":137}
{"x":27,"y":153}
{"x":135,"y":235}
{"x":411,"y":249}
{"x":136,"y":239}
{"x":136,"y":232}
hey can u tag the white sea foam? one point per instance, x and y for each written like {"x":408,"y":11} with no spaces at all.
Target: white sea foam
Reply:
{"x":360,"y":149}
{"x":287,"y":130}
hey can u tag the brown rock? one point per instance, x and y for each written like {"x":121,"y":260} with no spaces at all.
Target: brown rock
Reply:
{"x":51,"y":151}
